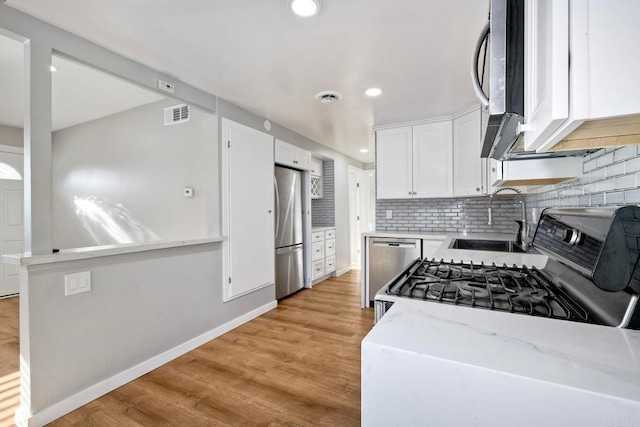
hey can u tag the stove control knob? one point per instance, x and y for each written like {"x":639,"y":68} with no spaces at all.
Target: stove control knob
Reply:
{"x":572,"y":236}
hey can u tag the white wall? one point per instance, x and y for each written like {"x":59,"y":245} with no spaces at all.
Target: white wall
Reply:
{"x":11,"y":136}
{"x":120,"y":179}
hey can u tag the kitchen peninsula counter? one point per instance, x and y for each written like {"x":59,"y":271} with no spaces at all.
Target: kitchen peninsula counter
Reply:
{"x":454,"y":365}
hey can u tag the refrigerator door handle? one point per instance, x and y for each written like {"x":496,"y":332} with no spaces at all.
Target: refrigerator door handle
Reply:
{"x":276,"y":205}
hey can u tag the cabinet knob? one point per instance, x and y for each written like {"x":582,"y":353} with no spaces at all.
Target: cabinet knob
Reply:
{"x":410,"y":193}
{"x":477,"y":188}
{"x":493,"y":170}
{"x":269,"y":210}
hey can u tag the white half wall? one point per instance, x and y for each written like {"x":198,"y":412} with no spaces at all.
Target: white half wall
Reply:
{"x":120,"y":179}
{"x":142,"y":307}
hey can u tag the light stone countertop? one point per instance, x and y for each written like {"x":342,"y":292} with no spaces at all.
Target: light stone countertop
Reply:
{"x":106,"y":250}
{"x":314,"y":229}
{"x":560,"y":359}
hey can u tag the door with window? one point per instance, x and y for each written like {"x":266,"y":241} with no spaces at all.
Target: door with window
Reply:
{"x":11,"y":216}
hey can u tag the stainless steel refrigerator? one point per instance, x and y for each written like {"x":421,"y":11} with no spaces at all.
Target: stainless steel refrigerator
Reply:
{"x":288,"y":226}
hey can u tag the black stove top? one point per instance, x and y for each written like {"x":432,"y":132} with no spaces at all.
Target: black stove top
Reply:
{"x":502,"y":288}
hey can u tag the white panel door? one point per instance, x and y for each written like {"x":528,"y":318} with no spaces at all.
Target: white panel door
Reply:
{"x":467,"y":164}
{"x":393,"y":163}
{"x":546,"y":100}
{"x":250,"y":209}
{"x":11,"y":219}
{"x":433,"y":160}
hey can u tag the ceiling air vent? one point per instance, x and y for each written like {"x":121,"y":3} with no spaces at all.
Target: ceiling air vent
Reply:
{"x":177,"y":114}
{"x":328,"y":97}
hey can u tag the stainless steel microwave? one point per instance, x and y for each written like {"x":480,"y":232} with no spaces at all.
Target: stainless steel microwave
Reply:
{"x":503,"y":42}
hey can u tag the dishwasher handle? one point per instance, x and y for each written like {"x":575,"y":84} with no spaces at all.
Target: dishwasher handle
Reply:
{"x":378,"y":244}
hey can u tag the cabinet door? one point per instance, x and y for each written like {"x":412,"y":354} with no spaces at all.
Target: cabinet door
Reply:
{"x":393,"y":163}
{"x":467,"y":164}
{"x":546,"y":97}
{"x":250,"y":231}
{"x":303,"y":159}
{"x":432,"y":160}
{"x":285,"y":154}
{"x":316,"y":167}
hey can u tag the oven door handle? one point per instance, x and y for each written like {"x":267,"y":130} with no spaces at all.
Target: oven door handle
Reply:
{"x":477,"y":86}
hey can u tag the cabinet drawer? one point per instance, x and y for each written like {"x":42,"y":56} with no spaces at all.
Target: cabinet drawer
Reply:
{"x":317,"y":236}
{"x":330,"y":265}
{"x":318,"y":269}
{"x":330,"y":234}
{"x":329,"y":247}
{"x":317,"y":251}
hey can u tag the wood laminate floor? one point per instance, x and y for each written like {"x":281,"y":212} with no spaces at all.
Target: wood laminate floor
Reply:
{"x":296,"y":365}
{"x":9,"y":360}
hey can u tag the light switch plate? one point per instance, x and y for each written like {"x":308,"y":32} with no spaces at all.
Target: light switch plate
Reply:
{"x":389,"y":214}
{"x":77,"y":283}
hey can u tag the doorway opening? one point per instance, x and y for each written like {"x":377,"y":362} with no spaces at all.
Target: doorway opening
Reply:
{"x":361,"y":210}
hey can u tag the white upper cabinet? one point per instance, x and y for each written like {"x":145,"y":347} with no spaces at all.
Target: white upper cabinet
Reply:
{"x":546,"y":68}
{"x":467,"y":164}
{"x":581,"y":65}
{"x":394,"y":163}
{"x":290,"y":155}
{"x":415,"y":161}
{"x":433,"y":160}
{"x":315,"y":168}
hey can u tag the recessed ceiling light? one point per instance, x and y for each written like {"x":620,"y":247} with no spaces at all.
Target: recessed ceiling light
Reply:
{"x":305,"y":8}
{"x":364,"y":150}
{"x":52,"y":68}
{"x":373,"y":91}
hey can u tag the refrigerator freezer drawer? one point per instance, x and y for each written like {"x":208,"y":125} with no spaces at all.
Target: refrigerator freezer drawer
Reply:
{"x":289,"y":270}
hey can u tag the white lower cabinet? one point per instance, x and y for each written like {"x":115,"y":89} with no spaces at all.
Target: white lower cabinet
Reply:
{"x":318,"y":269}
{"x":317,"y":250}
{"x":323,"y":249}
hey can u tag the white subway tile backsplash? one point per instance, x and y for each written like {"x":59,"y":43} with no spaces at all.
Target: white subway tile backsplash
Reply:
{"x":624,"y":153}
{"x":625,"y":181}
{"x":589,"y":165}
{"x":591,"y":188}
{"x":632,"y":196}
{"x":614,"y":170}
{"x":606,"y":185}
{"x":597,"y":200}
{"x":605,"y":160}
{"x":596,"y":175}
{"x":616,"y":198}
{"x":632,"y":165}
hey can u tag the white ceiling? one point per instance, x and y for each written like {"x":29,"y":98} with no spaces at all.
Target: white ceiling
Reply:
{"x":79,"y":93}
{"x":257,"y":54}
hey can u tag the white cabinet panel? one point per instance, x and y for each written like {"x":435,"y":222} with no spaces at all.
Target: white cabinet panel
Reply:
{"x":315,"y":168}
{"x":330,"y":234}
{"x":250,"y":231}
{"x":317,"y":236}
{"x":317,"y":251}
{"x":467,"y":164}
{"x":290,"y":155}
{"x":394,"y":163}
{"x":329,"y":247}
{"x":546,"y":69}
{"x":429,"y":247}
{"x":318,"y":269}
{"x":432,"y":160}
{"x":330,"y":264}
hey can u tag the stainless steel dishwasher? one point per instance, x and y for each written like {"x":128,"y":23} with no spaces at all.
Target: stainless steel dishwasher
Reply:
{"x":387,"y":257}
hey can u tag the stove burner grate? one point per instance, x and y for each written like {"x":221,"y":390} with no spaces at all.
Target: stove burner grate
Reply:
{"x":502,"y":288}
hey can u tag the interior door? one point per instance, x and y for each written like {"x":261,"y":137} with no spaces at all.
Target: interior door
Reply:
{"x":11,"y":218}
{"x":248,"y":218}
{"x":355,"y":177}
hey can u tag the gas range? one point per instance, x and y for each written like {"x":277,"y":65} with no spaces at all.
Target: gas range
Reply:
{"x":591,"y":275}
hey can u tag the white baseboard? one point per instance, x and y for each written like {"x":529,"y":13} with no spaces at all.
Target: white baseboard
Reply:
{"x":343,"y":271}
{"x":59,"y":409}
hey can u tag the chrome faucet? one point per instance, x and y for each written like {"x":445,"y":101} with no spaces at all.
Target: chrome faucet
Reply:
{"x":522,"y":237}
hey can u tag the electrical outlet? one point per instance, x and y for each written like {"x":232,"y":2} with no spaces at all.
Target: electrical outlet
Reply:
{"x":77,"y":283}
{"x":166,"y":86}
{"x":188,"y":191}
{"x":389,"y":214}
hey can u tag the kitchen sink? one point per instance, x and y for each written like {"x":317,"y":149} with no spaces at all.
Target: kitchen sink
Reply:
{"x":487,"y":245}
